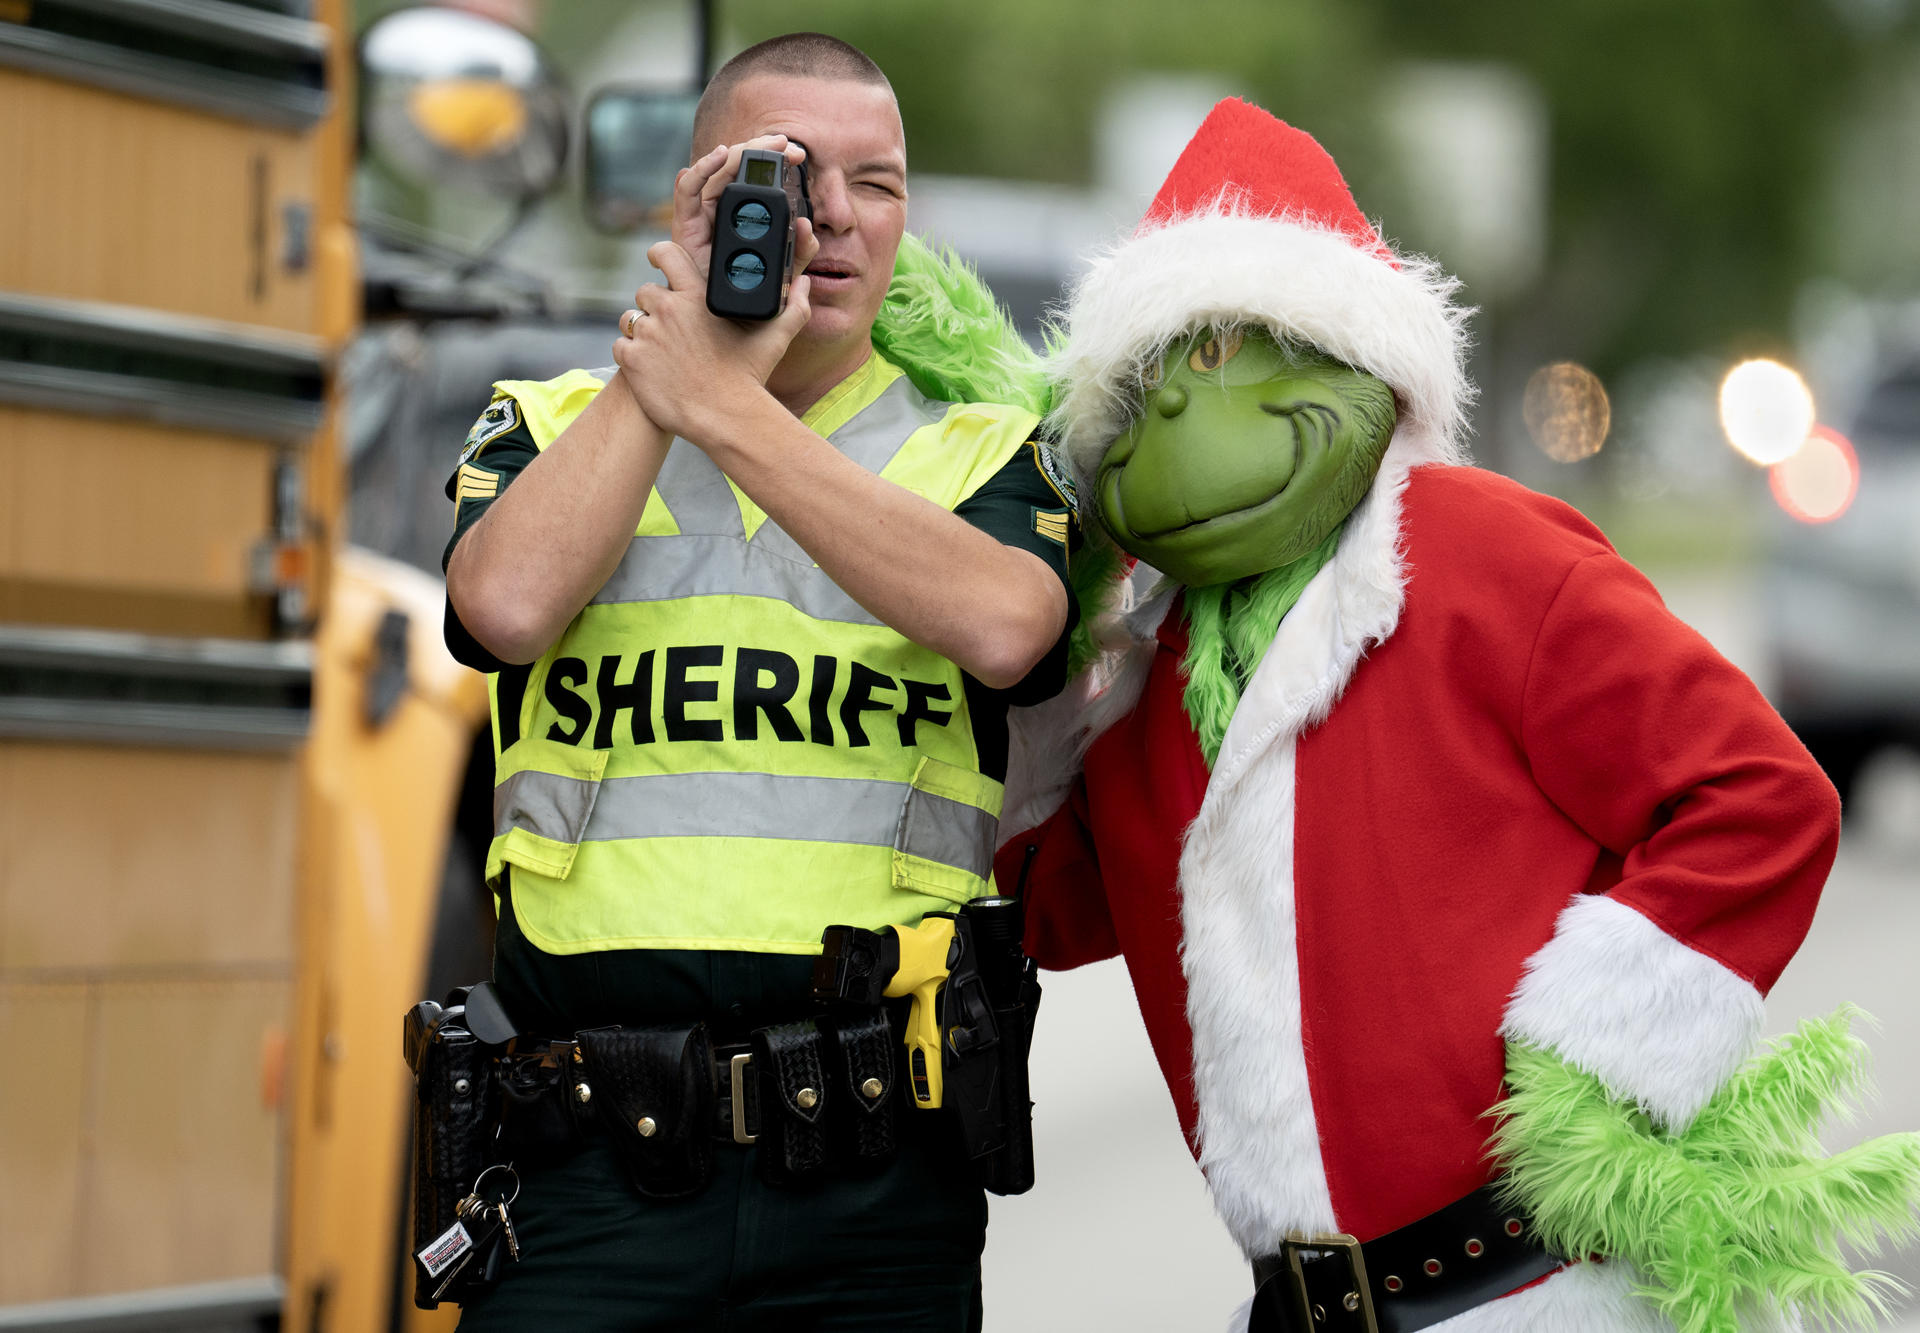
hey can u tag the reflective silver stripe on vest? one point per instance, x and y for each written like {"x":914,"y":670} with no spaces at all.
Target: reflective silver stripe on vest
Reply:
{"x":953,"y":833}
{"x":660,"y":568}
{"x":697,"y":494}
{"x":864,"y":811}
{"x":695,"y":491}
{"x":548,"y":804}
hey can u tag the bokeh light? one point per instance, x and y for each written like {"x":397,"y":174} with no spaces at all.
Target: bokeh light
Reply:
{"x":1818,"y":483}
{"x":1566,"y":411}
{"x":1766,"y":410}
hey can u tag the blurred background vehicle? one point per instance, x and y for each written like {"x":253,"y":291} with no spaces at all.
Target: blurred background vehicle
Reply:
{"x":261,"y":259}
{"x":1843,"y":599}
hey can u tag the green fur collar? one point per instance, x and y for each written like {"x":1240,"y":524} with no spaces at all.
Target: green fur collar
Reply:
{"x":1229,"y":628}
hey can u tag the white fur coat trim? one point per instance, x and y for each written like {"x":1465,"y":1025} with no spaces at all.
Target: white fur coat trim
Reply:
{"x":1258,"y":1140}
{"x":1305,"y":282}
{"x":1655,"y":1020}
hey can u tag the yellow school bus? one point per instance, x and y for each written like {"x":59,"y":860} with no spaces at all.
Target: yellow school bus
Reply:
{"x":230,"y":747}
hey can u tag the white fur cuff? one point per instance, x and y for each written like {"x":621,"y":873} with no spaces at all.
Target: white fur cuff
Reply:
{"x":1613,"y":994}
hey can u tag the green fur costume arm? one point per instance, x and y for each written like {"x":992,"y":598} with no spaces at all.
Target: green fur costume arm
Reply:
{"x":1742,"y":1208}
{"x":941,"y":325}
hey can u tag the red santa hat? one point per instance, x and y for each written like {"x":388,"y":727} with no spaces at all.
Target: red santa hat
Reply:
{"x":1256,"y":227}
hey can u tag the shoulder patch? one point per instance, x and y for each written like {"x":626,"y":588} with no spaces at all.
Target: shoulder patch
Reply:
{"x":501,"y":416}
{"x":1054,"y":469}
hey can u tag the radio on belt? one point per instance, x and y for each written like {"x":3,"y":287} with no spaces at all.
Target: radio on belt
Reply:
{"x":751,"y":266}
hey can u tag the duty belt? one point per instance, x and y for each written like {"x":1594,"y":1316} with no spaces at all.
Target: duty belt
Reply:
{"x":1466,"y":1254}
{"x":736,"y":1100}
{"x":778,"y":1058}
{"x":816,"y":1096}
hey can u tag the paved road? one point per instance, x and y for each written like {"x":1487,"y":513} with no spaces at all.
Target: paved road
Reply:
{"x":1119,"y":1235}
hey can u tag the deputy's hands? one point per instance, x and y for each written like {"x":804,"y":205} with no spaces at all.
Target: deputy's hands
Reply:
{"x":696,"y":193}
{"x":686,"y":367}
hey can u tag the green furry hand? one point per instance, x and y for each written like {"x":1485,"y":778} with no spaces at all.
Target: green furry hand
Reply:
{"x":1741,"y":1210}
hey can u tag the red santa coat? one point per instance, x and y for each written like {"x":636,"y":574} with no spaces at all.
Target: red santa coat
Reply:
{"x":1541,"y":808}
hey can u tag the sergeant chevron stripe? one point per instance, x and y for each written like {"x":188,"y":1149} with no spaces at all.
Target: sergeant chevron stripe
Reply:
{"x":1051,"y":526}
{"x":476,"y":484}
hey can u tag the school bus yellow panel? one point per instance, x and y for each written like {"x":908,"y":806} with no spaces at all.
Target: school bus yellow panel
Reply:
{"x":142,"y":203}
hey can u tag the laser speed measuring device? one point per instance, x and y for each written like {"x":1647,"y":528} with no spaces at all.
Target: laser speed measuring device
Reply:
{"x":751,"y":266}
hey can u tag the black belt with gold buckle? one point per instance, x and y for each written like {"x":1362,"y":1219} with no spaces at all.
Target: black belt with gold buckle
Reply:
{"x":1466,"y":1254}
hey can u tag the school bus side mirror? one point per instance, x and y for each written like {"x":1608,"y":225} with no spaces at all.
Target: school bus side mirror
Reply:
{"x":636,"y":143}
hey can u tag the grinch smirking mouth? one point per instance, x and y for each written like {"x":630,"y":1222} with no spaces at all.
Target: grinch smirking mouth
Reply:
{"x":1450,"y":868}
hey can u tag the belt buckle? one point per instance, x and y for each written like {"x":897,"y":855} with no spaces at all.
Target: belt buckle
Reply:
{"x":737,"y":1080}
{"x":1358,"y":1300}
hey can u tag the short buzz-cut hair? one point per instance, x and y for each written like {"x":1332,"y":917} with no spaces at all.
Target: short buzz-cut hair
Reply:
{"x":809,"y":55}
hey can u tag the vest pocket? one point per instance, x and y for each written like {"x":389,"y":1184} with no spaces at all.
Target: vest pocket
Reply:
{"x":943,"y":845}
{"x":541,"y":804}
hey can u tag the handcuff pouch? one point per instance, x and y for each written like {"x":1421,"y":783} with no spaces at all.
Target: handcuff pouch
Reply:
{"x":652,"y":1090}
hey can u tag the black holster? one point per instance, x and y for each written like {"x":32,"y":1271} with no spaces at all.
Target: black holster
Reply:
{"x":1010,"y":1170}
{"x":986,"y":1016}
{"x":453,"y":1126}
{"x":988,"y":1010}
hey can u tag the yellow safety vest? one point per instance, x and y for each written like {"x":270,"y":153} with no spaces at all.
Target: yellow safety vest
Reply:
{"x":724,"y":750}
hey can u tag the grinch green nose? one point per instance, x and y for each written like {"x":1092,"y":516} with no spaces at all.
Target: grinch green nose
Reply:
{"x":1170,"y":401}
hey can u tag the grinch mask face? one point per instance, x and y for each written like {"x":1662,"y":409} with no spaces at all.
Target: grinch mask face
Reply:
{"x":1247,"y":453}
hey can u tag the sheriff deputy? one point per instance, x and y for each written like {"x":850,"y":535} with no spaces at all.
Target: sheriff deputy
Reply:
{"x":753,"y":609}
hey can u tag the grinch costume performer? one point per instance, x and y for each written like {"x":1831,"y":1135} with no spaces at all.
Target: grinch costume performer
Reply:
{"x":1406,"y":796}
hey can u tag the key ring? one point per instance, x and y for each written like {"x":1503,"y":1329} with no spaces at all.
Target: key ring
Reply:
{"x":511,"y":1175}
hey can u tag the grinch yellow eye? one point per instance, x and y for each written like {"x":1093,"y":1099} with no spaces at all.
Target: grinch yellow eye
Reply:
{"x":1152,"y":376}
{"x":1215,"y":352}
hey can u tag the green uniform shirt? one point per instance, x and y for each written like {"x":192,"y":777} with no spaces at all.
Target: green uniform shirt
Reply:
{"x":558,"y":994}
